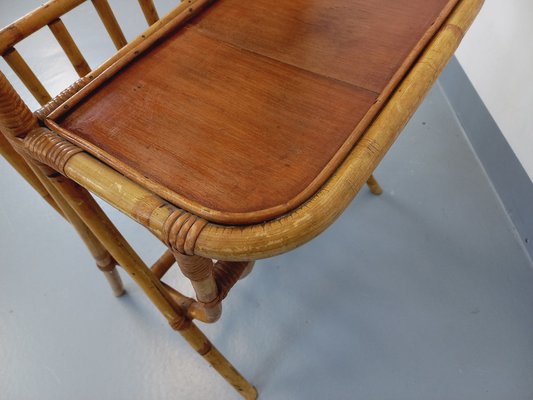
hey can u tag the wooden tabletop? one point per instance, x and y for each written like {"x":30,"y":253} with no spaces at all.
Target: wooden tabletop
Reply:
{"x":242,"y":115}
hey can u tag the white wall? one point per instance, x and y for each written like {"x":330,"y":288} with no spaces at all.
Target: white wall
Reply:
{"x":497,"y":56}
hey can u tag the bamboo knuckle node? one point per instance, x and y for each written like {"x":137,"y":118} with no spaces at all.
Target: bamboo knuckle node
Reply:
{"x":179,"y":323}
{"x":106,"y":263}
{"x":14,"y":115}
{"x":43,"y":112}
{"x":181,"y":230}
{"x":50,"y":149}
{"x":206,"y":348}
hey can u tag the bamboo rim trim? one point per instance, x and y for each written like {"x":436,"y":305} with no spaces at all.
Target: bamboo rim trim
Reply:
{"x":226,"y":217}
{"x":305,"y":223}
{"x":64,"y":95}
{"x":292,"y":230}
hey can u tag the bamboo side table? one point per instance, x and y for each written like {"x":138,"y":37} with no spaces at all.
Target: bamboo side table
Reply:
{"x":233,"y":131}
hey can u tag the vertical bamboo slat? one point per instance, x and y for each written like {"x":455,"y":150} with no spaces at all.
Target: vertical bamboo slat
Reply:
{"x":149,"y":11}
{"x":26,"y":75}
{"x":68,"y":45}
{"x":35,"y":20}
{"x":110,"y":22}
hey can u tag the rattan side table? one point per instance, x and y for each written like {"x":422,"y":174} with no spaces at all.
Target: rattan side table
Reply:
{"x":232,"y":130}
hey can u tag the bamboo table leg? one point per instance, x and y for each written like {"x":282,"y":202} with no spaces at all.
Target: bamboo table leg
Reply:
{"x":91,"y":214}
{"x":36,"y":179}
{"x":18,"y":122}
{"x":21,"y":166}
{"x":103,"y":259}
{"x":374,"y":186}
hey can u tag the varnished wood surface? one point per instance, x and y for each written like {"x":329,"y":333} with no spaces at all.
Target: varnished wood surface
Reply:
{"x":362,"y":42}
{"x":244,"y":114}
{"x":307,"y":221}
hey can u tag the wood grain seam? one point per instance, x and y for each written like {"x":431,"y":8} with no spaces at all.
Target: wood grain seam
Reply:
{"x":275,"y":61}
{"x":401,"y":69}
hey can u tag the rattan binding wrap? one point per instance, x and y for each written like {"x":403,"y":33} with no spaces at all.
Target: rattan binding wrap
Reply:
{"x":50,"y":149}
{"x":227,"y":274}
{"x":181,"y":230}
{"x":57,"y":101}
{"x":14,"y":115}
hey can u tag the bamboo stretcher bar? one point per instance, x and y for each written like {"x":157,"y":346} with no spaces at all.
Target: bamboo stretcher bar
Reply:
{"x":68,"y":45}
{"x":193,"y":309}
{"x":163,"y":264}
{"x":35,"y":20}
{"x":306,"y":222}
{"x":226,"y":275}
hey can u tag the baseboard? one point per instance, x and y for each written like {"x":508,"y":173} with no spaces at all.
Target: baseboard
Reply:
{"x":510,"y":180}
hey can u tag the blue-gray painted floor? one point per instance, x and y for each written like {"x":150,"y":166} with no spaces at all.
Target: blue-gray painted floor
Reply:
{"x":422,"y":293}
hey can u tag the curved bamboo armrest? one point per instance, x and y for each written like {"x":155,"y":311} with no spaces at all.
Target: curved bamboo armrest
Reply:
{"x":257,"y":241}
